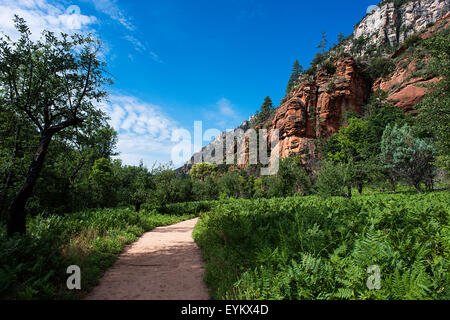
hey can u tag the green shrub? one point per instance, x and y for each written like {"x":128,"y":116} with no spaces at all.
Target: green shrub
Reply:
{"x":329,"y":67}
{"x":412,"y":41}
{"x":332,"y":180}
{"x":380,"y":67}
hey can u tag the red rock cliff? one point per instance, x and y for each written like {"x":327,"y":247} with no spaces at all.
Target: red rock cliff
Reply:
{"x":317,"y":107}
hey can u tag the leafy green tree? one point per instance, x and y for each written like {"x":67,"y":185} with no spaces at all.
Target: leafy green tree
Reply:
{"x":333,"y":179}
{"x":407,"y":157}
{"x":165,"y":186}
{"x":229,"y":184}
{"x":15,"y":138}
{"x":294,"y":178}
{"x":246,"y":185}
{"x":203,"y":170}
{"x":54,"y":84}
{"x":273,"y":186}
{"x":382,"y":115}
{"x":205,"y":190}
{"x":103,"y":183}
{"x":135,"y":186}
{"x":350,"y":147}
{"x":297,"y":70}
{"x":434,"y":110}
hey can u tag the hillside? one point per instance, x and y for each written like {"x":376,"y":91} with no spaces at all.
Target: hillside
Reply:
{"x":379,"y":55}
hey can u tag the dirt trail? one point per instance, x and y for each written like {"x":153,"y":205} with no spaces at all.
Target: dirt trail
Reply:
{"x":164,"y":264}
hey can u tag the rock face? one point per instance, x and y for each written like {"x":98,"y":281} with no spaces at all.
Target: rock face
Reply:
{"x":318,"y":109}
{"x":391,"y":24}
{"x":208,"y":152}
{"x":405,"y":88}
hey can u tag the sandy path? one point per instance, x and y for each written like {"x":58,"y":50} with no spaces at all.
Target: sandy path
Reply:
{"x":164,"y":264}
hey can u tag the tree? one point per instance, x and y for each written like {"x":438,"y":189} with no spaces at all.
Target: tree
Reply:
{"x":294,"y":178}
{"x":333,"y":179}
{"x":434,"y":110}
{"x":297,"y":70}
{"x":54,"y":83}
{"x":205,"y":190}
{"x":340,"y":38}
{"x":137,"y":184}
{"x":103,"y":183}
{"x":203,"y":170}
{"x":406,"y":156}
{"x":350,"y":147}
{"x":265,"y":112}
{"x":380,"y":117}
{"x":323,"y":42}
{"x":229,"y":184}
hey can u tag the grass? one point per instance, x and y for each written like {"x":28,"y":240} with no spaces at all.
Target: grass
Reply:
{"x":34,"y":266}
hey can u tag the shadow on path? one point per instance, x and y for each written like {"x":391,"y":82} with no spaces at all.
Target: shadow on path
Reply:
{"x":164,"y":264}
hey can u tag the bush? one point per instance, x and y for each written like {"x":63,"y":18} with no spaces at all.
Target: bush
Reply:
{"x":380,"y":68}
{"x":332,"y":180}
{"x":412,"y":41}
{"x":182,"y":208}
{"x":329,"y":67}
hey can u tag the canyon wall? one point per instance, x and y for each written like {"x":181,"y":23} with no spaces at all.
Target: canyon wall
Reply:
{"x":390,"y":24}
{"x":317,"y":107}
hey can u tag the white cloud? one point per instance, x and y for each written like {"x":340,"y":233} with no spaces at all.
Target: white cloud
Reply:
{"x":224,"y":115}
{"x":138,"y":46}
{"x":145,"y":132}
{"x":141,"y":48}
{"x":155,"y":57}
{"x":226,"y":108}
{"x":111,"y":9}
{"x":42,"y":15}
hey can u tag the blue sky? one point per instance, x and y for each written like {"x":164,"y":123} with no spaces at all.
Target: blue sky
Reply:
{"x":176,"y":62}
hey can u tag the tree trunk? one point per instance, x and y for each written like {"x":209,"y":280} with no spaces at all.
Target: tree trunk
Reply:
{"x":393,"y":183}
{"x":138,"y":206}
{"x":16,"y":212}
{"x":418,"y":188}
{"x":349,"y":188}
{"x":10,"y":176}
{"x":360,"y":188}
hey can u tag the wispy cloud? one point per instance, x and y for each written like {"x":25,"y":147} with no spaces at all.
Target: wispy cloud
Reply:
{"x":138,"y":45}
{"x":112,"y":9}
{"x":142,"y":48}
{"x":226,"y":108}
{"x":145,"y":132}
{"x":224,"y":114}
{"x":155,"y":57}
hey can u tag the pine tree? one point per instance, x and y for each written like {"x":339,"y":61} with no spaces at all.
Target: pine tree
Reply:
{"x":341,"y":38}
{"x":265,"y":111}
{"x":323,"y":43}
{"x":297,"y":70}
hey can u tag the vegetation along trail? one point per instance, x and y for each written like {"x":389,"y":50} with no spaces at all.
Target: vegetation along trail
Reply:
{"x":164,"y":264}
